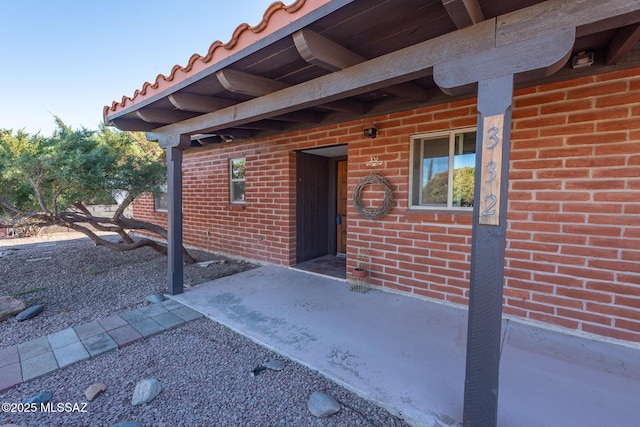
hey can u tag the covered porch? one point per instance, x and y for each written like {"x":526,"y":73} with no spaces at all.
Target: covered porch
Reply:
{"x":323,"y":62}
{"x":408,"y":355}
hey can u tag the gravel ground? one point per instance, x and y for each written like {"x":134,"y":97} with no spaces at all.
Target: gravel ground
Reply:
{"x":78,"y":282}
{"x":204,"y":368}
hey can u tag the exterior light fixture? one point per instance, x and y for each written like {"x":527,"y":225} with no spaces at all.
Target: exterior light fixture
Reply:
{"x":371,"y":132}
{"x":582,"y":60}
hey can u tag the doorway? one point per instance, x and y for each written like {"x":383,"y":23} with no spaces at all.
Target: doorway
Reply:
{"x":341,"y":202}
{"x":321,"y":208}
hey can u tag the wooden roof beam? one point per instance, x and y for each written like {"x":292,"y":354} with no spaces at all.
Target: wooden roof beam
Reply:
{"x":535,"y":56}
{"x":156,"y":115}
{"x":206,"y":140}
{"x":464,"y":13}
{"x":625,"y":39}
{"x":264,"y":125}
{"x":252,"y":85}
{"x":405,"y":64}
{"x":135,"y":124}
{"x":248,"y":84}
{"x":346,"y":106}
{"x":396,"y":67}
{"x":236,"y":133}
{"x":224,"y":135}
{"x":611,"y":23}
{"x":553,"y":15}
{"x":300,"y":117}
{"x":325,"y":53}
{"x":198,"y":103}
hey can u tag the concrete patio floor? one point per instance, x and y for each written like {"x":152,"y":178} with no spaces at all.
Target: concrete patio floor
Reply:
{"x":408,"y":355}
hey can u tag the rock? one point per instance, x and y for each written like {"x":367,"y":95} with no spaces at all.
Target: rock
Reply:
{"x":42,"y":397}
{"x":38,"y":259}
{"x":276,"y":365}
{"x":208,"y":263}
{"x":30,"y":312}
{"x":93,"y":390}
{"x":128,"y":424}
{"x":146,"y":390}
{"x":322,"y":405}
{"x":205,"y":263}
{"x":255,"y":371}
{"x":156,"y":298}
{"x":10,"y":306}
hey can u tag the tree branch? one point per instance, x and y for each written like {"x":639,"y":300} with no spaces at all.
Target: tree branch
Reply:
{"x":90,"y":219}
{"x":120,"y":247}
{"x":133,"y":224}
{"x":36,"y":189}
{"x":123,"y":223}
{"x":123,"y":206}
{"x":11,"y":208}
{"x":82,"y":208}
{"x":56,"y":195}
{"x":96,"y":222}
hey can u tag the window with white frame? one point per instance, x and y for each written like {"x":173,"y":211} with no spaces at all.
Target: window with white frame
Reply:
{"x":443,"y":169}
{"x":237,"y":179}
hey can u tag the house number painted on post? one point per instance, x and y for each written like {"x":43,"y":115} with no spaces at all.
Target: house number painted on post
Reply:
{"x":491,"y":170}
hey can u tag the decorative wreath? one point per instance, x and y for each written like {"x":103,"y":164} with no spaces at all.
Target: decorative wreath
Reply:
{"x":384,"y":208}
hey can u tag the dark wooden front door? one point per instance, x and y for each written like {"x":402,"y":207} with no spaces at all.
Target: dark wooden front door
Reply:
{"x":341,"y":204}
{"x":312,"y":207}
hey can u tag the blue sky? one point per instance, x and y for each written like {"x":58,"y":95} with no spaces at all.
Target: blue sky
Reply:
{"x":70,"y":58}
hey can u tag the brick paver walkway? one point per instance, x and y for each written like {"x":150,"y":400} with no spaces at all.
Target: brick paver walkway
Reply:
{"x":33,"y":359}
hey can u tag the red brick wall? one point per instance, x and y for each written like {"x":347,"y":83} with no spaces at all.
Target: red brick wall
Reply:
{"x":573,"y":254}
{"x":573,"y":257}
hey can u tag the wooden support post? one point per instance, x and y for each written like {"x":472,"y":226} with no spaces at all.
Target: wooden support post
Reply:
{"x":175,"y":277}
{"x":494,"y":72}
{"x":174,"y":144}
{"x":487,"y":252}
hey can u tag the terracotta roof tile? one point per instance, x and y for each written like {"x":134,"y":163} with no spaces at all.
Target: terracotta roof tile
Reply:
{"x":277,"y":16}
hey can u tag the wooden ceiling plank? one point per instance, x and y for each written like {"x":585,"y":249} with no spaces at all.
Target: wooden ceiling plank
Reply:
{"x":156,"y":115}
{"x":625,"y":39}
{"x":248,"y":84}
{"x":198,"y":103}
{"x":464,"y":13}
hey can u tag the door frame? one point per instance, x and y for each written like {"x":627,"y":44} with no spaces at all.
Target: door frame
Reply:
{"x":332,"y":204}
{"x":331,"y":201}
{"x":343,"y":218}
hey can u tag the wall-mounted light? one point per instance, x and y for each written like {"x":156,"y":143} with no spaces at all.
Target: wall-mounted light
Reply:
{"x":371,"y":132}
{"x":582,"y":60}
